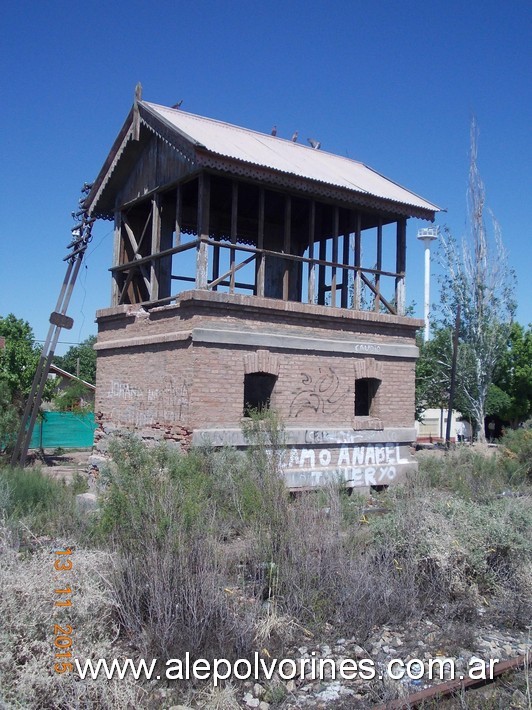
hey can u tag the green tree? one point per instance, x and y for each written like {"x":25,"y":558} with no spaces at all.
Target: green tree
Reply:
{"x":477,"y":277}
{"x":433,"y":374}
{"x":9,"y":419}
{"x":511,"y":393}
{"x":73,"y":398}
{"x":83,"y":353}
{"x":18,"y":359}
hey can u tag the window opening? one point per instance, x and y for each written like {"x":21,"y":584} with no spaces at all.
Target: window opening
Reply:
{"x":258,"y":389}
{"x":365,"y":391}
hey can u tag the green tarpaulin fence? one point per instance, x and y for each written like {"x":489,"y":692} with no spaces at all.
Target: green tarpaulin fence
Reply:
{"x":67,"y":430}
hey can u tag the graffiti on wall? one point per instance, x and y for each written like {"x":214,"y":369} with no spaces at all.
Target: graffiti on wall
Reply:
{"x":318,"y":394}
{"x":364,"y":465}
{"x":167,"y":404}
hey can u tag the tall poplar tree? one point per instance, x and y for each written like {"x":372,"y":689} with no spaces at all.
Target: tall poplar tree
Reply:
{"x":477,"y":276}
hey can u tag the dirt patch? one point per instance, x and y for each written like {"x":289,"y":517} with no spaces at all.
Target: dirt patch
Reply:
{"x":61,"y":465}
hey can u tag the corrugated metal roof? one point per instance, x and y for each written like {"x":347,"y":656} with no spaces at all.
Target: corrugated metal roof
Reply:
{"x":268,"y":151}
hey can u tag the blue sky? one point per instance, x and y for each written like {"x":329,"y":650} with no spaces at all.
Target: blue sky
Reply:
{"x":393,"y":84}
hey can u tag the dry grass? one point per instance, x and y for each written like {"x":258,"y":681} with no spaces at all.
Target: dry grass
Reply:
{"x":27,"y":677}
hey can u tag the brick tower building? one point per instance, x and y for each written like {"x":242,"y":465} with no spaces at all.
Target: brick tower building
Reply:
{"x":239,"y":282}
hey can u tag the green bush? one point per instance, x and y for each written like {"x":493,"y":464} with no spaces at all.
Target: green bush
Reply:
{"x":471,"y":474}
{"x":187,"y":527}
{"x":516,"y":448}
{"x":42,"y":504}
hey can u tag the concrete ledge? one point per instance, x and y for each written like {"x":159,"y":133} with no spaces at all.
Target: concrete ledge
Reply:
{"x":298,"y":436}
{"x":144,"y":340}
{"x":219,"y":336}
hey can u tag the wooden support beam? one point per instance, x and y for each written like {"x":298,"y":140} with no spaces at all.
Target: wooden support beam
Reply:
{"x":117,"y":252}
{"x":215,"y":265}
{"x":357,"y":286}
{"x":155,"y":246}
{"x":234,"y":268}
{"x":336,"y":229}
{"x":321,"y":270}
{"x":345,"y":260}
{"x":203,"y":229}
{"x":161,"y":255}
{"x":377,"y":302}
{"x":178,"y":215}
{"x":234,"y":232}
{"x":400,"y":295}
{"x":289,"y":257}
{"x":312,"y":265}
{"x":287,"y":246}
{"x":372,"y":288}
{"x":261,"y":259}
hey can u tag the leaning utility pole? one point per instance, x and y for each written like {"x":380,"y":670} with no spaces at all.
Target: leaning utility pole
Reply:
{"x":81,"y":236}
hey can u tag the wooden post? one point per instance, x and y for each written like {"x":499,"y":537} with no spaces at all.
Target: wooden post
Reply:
{"x":261,"y":259}
{"x":400,"y":295}
{"x":345,"y":260}
{"x":178,"y":209}
{"x":311,"y":266}
{"x":234,"y":230}
{"x":117,"y":251}
{"x":155,"y":245}
{"x":203,"y":229}
{"x":357,"y":286}
{"x":287,"y":245}
{"x":321,"y":270}
{"x":336,"y":227}
{"x":377,"y":303}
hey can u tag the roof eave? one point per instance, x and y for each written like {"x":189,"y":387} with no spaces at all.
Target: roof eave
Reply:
{"x":210,"y":159}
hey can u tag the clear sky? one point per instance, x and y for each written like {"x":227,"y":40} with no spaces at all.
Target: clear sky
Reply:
{"x":391,"y":83}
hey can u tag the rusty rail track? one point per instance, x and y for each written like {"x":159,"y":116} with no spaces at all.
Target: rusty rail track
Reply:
{"x":442,"y":690}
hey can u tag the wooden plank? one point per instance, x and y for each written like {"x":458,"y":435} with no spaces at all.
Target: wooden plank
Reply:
{"x":203,"y":230}
{"x":161,"y":255}
{"x":357,"y":286}
{"x":371,"y":286}
{"x":336,"y":227}
{"x":312,"y":265}
{"x":130,"y":236}
{"x":231,"y":273}
{"x":287,"y":245}
{"x":234,"y":230}
{"x":290,"y":257}
{"x":261,"y":259}
{"x":377,"y":303}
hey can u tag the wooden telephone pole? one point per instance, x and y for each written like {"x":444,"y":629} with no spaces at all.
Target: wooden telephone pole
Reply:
{"x":81,"y":236}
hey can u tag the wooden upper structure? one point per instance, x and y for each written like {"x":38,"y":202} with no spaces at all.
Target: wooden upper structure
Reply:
{"x":225,"y":208}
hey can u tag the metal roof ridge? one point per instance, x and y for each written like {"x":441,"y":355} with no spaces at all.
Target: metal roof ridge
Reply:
{"x":262,"y":135}
{"x":236,"y":127}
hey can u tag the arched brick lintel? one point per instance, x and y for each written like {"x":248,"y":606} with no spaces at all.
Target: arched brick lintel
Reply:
{"x":261,"y":361}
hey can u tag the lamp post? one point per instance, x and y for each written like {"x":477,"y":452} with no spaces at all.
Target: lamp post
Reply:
{"x":427,"y":235}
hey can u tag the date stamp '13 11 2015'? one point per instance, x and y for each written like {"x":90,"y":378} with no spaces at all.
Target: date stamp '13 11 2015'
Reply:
{"x":63,"y":632}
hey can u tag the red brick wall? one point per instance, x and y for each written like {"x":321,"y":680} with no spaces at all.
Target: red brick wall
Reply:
{"x":162,"y":389}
